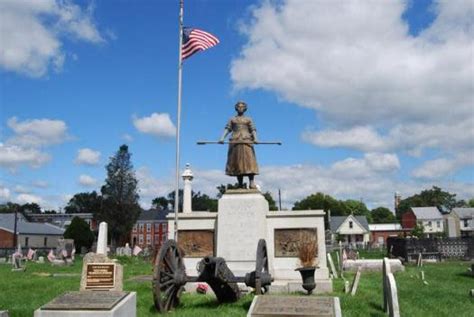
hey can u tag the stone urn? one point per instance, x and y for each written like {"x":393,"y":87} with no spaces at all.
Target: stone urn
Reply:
{"x":307,"y":274}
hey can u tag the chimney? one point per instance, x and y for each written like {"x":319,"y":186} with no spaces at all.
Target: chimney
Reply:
{"x":397,"y":199}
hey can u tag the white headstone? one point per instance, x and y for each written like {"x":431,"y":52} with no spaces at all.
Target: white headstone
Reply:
{"x":386,"y":269}
{"x":102,"y":239}
{"x":331,"y":265}
{"x":393,"y":308}
{"x":355,"y":283}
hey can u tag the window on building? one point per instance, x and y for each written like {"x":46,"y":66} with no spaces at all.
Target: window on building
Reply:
{"x":135,"y":228}
{"x":148,"y":227}
{"x":157,"y":227}
{"x":140,"y":239}
{"x":429,"y":224}
{"x":148,"y":239}
{"x":438,"y":224}
{"x":157,"y":239}
{"x":165,"y":227}
{"x":163,"y":238}
{"x":45,"y":242}
{"x":466,"y":224}
{"x":26,"y":241}
{"x":140,"y":227}
{"x":351,"y":224}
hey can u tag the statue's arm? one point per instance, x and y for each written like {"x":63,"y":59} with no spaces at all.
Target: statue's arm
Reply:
{"x":253,"y":130}
{"x":224,"y":135}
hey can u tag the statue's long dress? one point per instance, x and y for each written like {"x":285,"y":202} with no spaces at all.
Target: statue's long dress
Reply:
{"x":241,"y":157}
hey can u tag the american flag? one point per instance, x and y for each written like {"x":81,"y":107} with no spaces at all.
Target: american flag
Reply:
{"x":31,"y":254}
{"x":195,"y":40}
{"x":51,"y":256}
{"x":136,"y":250}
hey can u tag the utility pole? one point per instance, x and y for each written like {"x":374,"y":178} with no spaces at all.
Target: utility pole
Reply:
{"x":279,"y":199}
{"x":14,"y":228}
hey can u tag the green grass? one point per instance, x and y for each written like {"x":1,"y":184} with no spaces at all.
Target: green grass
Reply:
{"x":446,"y":295}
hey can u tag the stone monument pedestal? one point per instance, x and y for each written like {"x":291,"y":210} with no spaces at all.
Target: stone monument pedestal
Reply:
{"x":241,"y":222}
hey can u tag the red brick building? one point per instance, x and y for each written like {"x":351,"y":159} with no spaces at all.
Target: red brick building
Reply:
{"x":409,"y":220}
{"x":379,"y":232}
{"x":151,"y":229}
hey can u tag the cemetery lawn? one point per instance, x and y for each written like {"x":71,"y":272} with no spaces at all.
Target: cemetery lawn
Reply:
{"x":445,"y":295}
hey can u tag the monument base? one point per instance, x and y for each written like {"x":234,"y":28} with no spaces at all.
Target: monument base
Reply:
{"x":91,"y":304}
{"x":241,"y":222}
{"x":292,"y":286}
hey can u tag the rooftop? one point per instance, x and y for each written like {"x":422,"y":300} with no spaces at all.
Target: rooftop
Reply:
{"x":336,"y":222}
{"x":426,"y":212}
{"x":7,"y":222}
{"x":464,"y":212}
{"x":385,"y":227}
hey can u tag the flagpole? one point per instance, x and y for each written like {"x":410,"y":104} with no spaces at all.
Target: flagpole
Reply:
{"x":178,"y":125}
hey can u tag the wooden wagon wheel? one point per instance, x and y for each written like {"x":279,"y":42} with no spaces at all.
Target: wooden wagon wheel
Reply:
{"x":169,"y":276}
{"x":261,"y":266}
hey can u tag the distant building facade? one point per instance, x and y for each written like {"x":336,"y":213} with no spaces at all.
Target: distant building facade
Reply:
{"x":29,"y":234}
{"x":64,"y":220}
{"x":351,"y":230}
{"x":465,"y":221}
{"x":430,"y":218}
{"x":379,"y":232}
{"x":151,"y":229}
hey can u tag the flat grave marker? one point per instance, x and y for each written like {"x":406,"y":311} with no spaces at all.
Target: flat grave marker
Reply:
{"x":287,"y":306}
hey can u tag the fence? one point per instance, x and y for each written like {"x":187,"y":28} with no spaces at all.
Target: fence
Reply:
{"x":448,"y":248}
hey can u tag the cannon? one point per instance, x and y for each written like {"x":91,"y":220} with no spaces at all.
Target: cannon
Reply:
{"x":169,"y":276}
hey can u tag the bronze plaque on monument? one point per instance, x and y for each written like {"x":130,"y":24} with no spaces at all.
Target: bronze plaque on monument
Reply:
{"x":85,"y":301}
{"x":100,"y":275}
{"x":291,"y":306}
{"x":196,"y":243}
{"x":286,"y":240}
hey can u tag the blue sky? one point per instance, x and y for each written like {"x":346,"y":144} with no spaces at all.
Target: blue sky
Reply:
{"x":368,"y":98}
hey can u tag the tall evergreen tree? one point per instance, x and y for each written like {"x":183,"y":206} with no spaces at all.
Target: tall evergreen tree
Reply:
{"x":120,"y":208}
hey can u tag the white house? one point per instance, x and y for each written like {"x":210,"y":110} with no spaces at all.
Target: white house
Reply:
{"x":350,"y":229}
{"x":430,"y":218}
{"x":466,"y":221}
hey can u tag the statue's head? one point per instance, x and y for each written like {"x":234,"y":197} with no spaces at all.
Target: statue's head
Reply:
{"x":240,"y":104}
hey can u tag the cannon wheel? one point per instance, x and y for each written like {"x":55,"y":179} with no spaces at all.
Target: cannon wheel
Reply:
{"x":168,"y":277}
{"x":261,"y":265}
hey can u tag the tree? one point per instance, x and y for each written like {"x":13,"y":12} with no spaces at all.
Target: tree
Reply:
{"x":470,"y":203}
{"x":160,"y":203}
{"x":418,"y":231}
{"x":120,"y":208}
{"x":357,"y":208}
{"x":382,"y":215}
{"x":81,"y":233}
{"x":9,"y":208}
{"x":84,"y":203}
{"x":435,"y":196}
{"x":271,"y":202}
{"x":30,"y":208}
{"x":325,"y":202}
{"x":201,"y":202}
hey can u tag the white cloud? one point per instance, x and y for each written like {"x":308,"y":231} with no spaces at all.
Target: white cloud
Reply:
{"x":127,"y":137}
{"x":150,"y":187}
{"x":33,"y":32}
{"x":12,"y":156}
{"x":4,"y":193}
{"x":376,"y":87}
{"x":87,"y":156}
{"x":29,"y":198}
{"x":40,"y":184}
{"x":87,"y":180}
{"x":37,"y":132}
{"x":21,"y":190}
{"x":157,"y":124}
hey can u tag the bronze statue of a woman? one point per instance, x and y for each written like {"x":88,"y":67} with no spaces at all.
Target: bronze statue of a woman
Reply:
{"x":241,"y":159}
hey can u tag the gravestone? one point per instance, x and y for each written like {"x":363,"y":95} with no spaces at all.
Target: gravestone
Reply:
{"x":393,"y":307}
{"x":17,"y":263}
{"x":101,"y":290}
{"x":355,"y":283}
{"x":284,"y":306}
{"x":40,"y":259}
{"x":386,"y":269}
{"x":127,"y":251}
{"x":102,"y":239}
{"x":331,"y":265}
